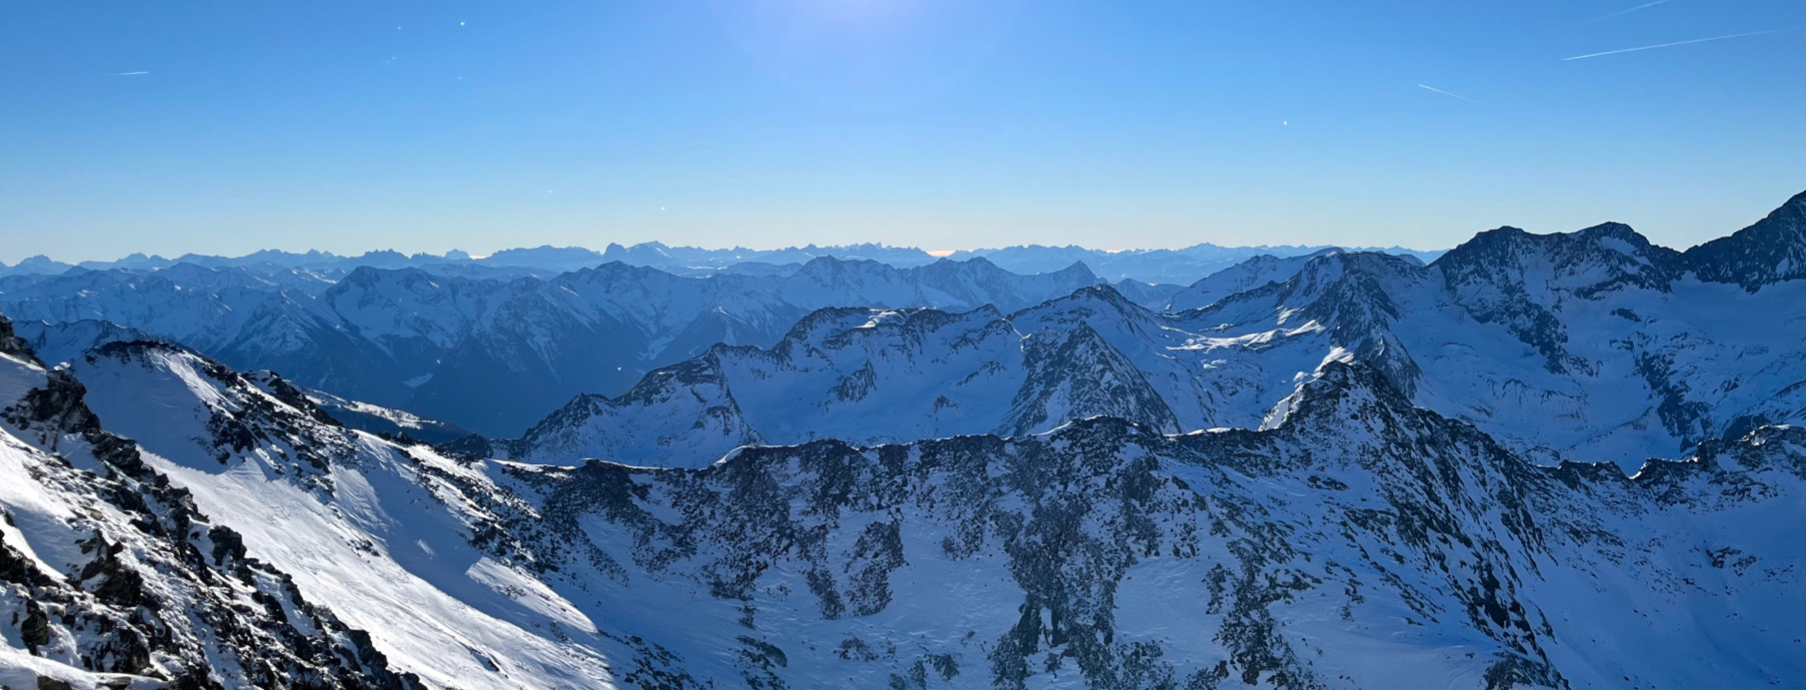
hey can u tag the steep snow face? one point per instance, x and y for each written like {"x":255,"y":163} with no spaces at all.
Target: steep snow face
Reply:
{"x":1516,"y":279}
{"x":682,"y":414}
{"x":360,"y":522}
{"x":111,"y":577}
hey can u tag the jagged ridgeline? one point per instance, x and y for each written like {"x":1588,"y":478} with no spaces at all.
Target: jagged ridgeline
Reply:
{"x":1592,"y":346}
{"x":1346,"y":470}
{"x":111,"y":576}
{"x":490,"y":353}
{"x":1359,"y":541}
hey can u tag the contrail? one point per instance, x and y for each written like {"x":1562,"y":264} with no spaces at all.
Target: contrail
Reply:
{"x":1621,"y":13}
{"x":130,"y":74}
{"x":1682,"y":43}
{"x":1452,"y":95}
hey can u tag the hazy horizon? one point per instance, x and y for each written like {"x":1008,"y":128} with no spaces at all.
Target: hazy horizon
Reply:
{"x":478,"y":256}
{"x":8,"y":257}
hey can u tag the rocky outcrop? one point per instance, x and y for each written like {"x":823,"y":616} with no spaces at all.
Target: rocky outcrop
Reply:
{"x":156,"y":589}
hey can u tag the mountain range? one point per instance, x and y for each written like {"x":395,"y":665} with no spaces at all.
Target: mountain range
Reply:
{"x":489,"y":354}
{"x":1358,"y":541}
{"x":1169,"y":266}
{"x":1537,"y":461}
{"x":1592,"y":345}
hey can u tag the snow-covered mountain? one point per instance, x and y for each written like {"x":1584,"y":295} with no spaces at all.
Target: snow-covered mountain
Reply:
{"x":1357,"y":542}
{"x":1362,"y":472}
{"x":864,"y":375}
{"x":1360,"y":543}
{"x":882,"y":376}
{"x":1247,"y":275}
{"x":1594,"y":344}
{"x":113,"y":577}
{"x":66,"y":341}
{"x":487,"y":354}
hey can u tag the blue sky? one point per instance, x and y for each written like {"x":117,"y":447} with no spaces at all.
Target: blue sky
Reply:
{"x":426,"y":126}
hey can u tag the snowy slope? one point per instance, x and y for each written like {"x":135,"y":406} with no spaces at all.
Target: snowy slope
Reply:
{"x":357,"y":521}
{"x":112,"y":577}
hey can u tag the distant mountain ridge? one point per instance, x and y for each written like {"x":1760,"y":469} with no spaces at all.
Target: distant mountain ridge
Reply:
{"x":1180,"y":266}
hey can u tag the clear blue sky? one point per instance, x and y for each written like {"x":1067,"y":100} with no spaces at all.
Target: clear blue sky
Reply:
{"x":349,"y":126}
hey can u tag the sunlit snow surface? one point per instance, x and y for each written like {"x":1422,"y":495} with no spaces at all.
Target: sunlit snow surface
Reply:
{"x":1359,"y":544}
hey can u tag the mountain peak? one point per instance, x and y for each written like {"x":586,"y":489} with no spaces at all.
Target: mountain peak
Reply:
{"x":1770,"y":251}
{"x":1585,"y":263}
{"x":1103,"y":292}
{"x":1344,"y":395}
{"x":829,"y":263}
{"x":1335,"y":275}
{"x":1797,"y":203}
{"x":1078,"y":268}
{"x":1614,"y":230}
{"x":1077,"y":374}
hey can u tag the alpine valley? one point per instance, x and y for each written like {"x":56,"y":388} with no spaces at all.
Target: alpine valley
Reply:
{"x":1536,"y":461}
